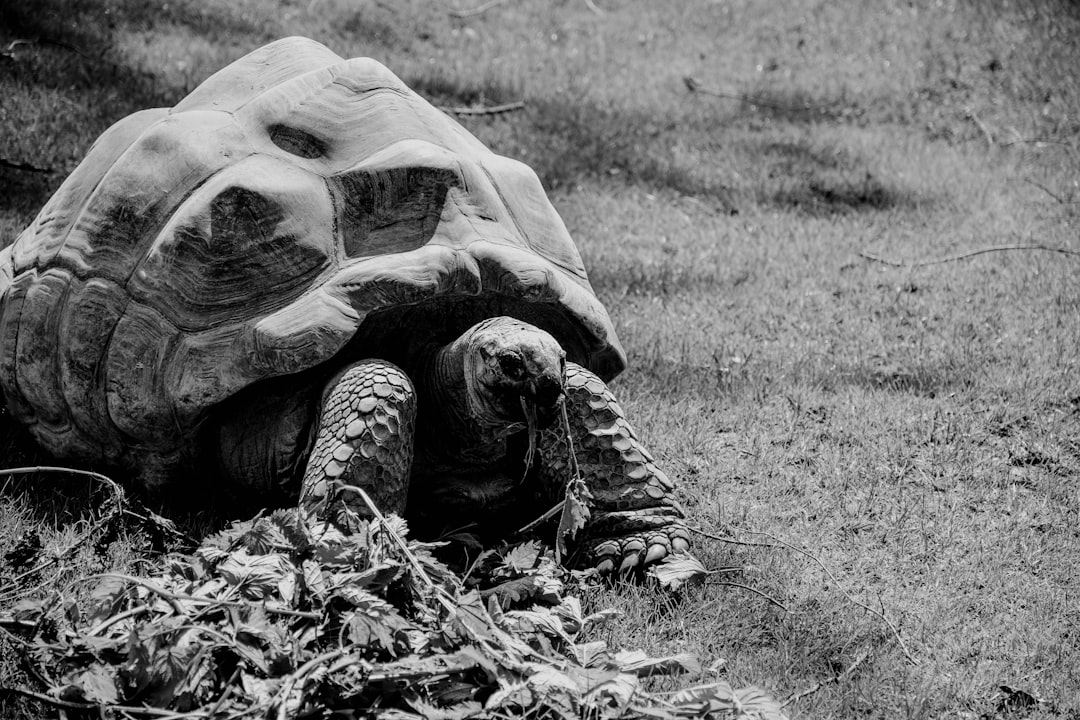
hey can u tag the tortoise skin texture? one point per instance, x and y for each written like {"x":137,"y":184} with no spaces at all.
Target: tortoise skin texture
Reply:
{"x":197,"y":292}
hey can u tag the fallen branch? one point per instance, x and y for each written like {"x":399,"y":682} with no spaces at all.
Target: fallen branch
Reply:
{"x":542,"y":519}
{"x":765,"y":596}
{"x":1039,"y":141}
{"x":963,"y":255}
{"x":118,"y":502}
{"x":282,"y":698}
{"x":479,"y":10}
{"x":69,"y":705}
{"x":834,"y":679}
{"x":852,"y":600}
{"x":731,"y":540}
{"x":694,"y":85}
{"x":147,"y":517}
{"x":1046,"y":190}
{"x":489,"y":110}
{"x":987,"y":135}
{"x":24,"y":167}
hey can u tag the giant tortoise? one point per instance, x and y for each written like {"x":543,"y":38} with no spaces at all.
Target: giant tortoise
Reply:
{"x":304,"y":278}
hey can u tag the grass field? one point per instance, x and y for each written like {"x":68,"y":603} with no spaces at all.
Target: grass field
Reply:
{"x":915,"y":429}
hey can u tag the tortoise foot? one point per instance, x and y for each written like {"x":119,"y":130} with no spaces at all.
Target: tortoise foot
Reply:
{"x":635,"y":518}
{"x":634,"y":540}
{"x":363,"y":439}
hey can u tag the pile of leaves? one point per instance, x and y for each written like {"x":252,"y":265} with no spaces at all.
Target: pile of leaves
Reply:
{"x":285,"y":616}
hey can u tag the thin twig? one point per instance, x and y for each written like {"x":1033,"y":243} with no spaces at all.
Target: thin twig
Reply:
{"x":852,"y":600}
{"x":834,"y":679}
{"x":488,"y":110}
{"x":593,"y":8}
{"x":62,"y":470}
{"x":963,"y":255}
{"x":105,"y":624}
{"x":981,"y":125}
{"x":69,"y":705}
{"x":120,"y":497}
{"x":479,"y":10}
{"x":397,"y":539}
{"x":1038,"y":141}
{"x":694,"y":85}
{"x":225,"y":694}
{"x":542,"y":519}
{"x":303,"y":670}
{"x":24,"y":167}
{"x":167,"y":596}
{"x":573,"y":485}
{"x":1046,"y":190}
{"x":118,"y":503}
{"x":731,"y":540}
{"x":757,"y":592}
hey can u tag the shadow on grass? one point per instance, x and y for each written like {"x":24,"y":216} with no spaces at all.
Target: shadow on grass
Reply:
{"x":760,"y":379}
{"x":566,"y":140}
{"x":55,"y":499}
{"x":64,"y":73}
{"x":90,"y":25}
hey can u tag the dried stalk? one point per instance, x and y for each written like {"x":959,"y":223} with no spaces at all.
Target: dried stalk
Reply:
{"x":852,"y":600}
{"x":834,"y":679}
{"x":479,"y":10}
{"x":489,"y":110}
{"x":963,"y":255}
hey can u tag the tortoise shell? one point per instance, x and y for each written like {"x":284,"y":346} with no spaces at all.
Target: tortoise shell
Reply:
{"x":295,"y":212}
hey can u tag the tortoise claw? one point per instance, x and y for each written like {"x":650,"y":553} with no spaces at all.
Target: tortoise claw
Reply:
{"x":680,"y":545}
{"x":656,"y":552}
{"x":605,"y":566}
{"x":629,"y":562}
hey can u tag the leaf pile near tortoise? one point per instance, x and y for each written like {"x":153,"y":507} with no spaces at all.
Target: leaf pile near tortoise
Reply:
{"x":284,"y":616}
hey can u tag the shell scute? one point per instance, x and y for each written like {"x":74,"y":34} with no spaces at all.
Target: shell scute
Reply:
{"x":36,"y":361}
{"x":93,"y":310}
{"x":247,"y":242}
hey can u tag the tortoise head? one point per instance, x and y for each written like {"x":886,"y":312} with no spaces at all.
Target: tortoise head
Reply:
{"x":513,"y":373}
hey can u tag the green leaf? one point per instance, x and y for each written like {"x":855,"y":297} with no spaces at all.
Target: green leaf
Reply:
{"x":314,"y":580}
{"x":676,"y":570}
{"x":374,"y":623}
{"x":522,"y":558}
{"x":757,"y":703}
{"x":106,"y":599}
{"x":701,"y":700}
{"x":642,"y":665}
{"x":574,"y":517}
{"x":96,"y":684}
{"x":516,"y":591}
{"x":592,"y":654}
{"x":257,"y":576}
{"x":430,"y":711}
{"x":605,"y":687}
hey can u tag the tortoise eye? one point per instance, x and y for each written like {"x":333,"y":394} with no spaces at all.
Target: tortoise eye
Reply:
{"x":512,"y":366}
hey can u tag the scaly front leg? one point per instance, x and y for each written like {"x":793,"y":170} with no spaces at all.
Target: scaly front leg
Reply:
{"x":635,"y":519}
{"x":364,"y":438}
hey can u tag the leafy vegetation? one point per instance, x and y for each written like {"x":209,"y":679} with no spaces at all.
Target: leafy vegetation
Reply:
{"x":912,"y":428}
{"x":284,"y":616}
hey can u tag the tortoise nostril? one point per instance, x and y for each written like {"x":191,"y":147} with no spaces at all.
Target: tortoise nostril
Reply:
{"x":546,"y":391}
{"x":512,"y":366}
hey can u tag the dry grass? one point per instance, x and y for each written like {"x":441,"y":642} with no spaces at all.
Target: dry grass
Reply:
{"x":916,"y":429}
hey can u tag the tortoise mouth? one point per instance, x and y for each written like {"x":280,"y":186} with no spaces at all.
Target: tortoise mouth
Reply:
{"x":262,"y":436}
